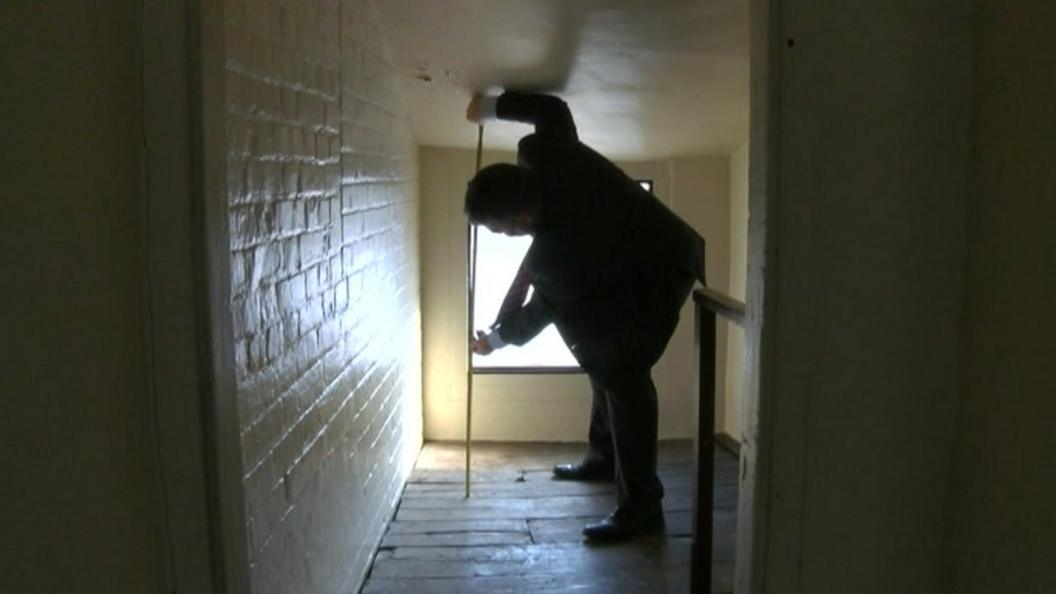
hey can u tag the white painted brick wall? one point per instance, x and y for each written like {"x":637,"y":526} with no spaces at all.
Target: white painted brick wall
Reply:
{"x":323,"y":217}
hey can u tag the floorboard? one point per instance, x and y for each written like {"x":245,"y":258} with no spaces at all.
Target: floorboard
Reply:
{"x":520,"y":530}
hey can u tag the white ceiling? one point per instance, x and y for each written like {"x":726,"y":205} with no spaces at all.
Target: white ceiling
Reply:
{"x":644,"y":78}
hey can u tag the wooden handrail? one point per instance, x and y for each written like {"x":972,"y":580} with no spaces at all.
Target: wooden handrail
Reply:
{"x":709,"y":305}
{"x":724,"y":305}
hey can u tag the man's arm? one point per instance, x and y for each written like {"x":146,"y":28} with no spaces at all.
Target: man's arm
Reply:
{"x":517,"y":328}
{"x":524,"y":324}
{"x":549,"y":114}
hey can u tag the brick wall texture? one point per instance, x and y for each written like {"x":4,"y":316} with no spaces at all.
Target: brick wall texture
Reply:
{"x":325,"y":299}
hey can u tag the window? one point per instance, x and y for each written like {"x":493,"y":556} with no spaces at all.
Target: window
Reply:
{"x":498,"y":258}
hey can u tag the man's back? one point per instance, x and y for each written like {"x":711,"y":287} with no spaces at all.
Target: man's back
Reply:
{"x":605,"y":247}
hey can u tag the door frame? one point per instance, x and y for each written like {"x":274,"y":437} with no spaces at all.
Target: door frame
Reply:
{"x":754,"y":505}
{"x":194,"y":410}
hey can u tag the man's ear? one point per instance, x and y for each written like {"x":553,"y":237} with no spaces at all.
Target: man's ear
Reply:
{"x":530,"y":215}
{"x":525,"y":219}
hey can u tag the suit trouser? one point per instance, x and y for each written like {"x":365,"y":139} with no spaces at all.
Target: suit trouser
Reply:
{"x":623,"y":432}
{"x":624,"y":415}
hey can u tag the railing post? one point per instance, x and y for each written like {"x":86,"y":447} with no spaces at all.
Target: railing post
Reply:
{"x":700,"y":561}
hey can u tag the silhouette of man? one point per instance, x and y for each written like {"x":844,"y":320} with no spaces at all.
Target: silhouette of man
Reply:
{"x":610,"y":266}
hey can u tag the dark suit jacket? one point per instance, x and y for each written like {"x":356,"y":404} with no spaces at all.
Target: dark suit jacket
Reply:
{"x":609,"y":262}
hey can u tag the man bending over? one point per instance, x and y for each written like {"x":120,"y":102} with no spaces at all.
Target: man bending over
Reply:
{"x":611,"y":267}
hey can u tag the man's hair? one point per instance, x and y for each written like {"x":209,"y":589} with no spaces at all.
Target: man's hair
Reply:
{"x":501,"y":191}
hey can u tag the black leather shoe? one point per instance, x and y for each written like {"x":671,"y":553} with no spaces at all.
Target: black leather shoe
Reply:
{"x":625,"y":523}
{"x":584,"y":471}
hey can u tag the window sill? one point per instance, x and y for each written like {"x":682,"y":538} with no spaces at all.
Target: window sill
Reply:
{"x":527,"y":371}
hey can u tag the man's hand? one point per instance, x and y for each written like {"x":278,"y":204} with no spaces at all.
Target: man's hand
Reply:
{"x":473,"y":109}
{"x":480,"y":345}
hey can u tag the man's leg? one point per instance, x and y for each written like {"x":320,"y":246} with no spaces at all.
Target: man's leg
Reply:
{"x":600,"y":459}
{"x":599,"y":436}
{"x":623,"y":365}
{"x":633,"y":418}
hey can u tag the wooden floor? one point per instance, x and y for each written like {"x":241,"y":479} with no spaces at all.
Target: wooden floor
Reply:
{"x":520,"y":530}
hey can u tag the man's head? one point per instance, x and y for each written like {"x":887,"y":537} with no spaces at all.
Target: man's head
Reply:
{"x":505,"y":198}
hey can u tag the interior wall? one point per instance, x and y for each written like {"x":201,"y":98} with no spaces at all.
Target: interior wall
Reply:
{"x":873,"y":157}
{"x":733,"y":423}
{"x":80,"y":509}
{"x":324,"y":261}
{"x":547,"y":407}
{"x":700,"y":194}
{"x":1002,"y":531}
